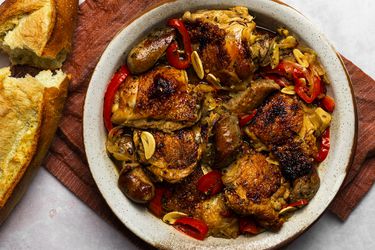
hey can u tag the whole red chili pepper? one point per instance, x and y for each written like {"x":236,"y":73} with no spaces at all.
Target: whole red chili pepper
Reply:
{"x":210,"y":183}
{"x":173,"y":56}
{"x":324,"y":146}
{"x":192,"y":227}
{"x":247,"y":118}
{"x":118,"y":78}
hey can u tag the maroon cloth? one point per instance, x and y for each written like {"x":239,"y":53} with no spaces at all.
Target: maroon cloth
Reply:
{"x":99,"y":21}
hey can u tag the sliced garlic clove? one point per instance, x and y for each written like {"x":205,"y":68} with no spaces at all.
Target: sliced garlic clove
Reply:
{"x":149,"y":144}
{"x":205,"y":169}
{"x":286,"y":210}
{"x":301,"y":58}
{"x":197,"y":64}
{"x":170,"y":218}
{"x":289,"y":90}
{"x":213,"y":80}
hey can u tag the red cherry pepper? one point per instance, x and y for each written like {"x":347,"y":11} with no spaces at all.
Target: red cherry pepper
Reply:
{"x":118,"y":78}
{"x":247,"y":118}
{"x":328,"y":103}
{"x":210,"y":183}
{"x":173,"y":56}
{"x":248,"y":226}
{"x":192,"y":227}
{"x":324,"y":146}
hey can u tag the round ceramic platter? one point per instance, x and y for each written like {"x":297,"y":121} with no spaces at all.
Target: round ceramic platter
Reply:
{"x":332,"y":171}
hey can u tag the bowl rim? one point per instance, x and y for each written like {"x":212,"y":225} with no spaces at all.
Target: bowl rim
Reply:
{"x":352,"y":150}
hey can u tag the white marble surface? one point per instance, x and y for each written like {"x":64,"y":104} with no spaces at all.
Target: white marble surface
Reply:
{"x":50,"y":217}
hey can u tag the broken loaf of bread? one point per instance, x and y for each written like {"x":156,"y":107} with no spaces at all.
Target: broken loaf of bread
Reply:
{"x":37,"y":32}
{"x":30,"y":108}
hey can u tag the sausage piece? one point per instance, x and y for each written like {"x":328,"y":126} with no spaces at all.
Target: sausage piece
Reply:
{"x":145,"y":54}
{"x":227,"y":140}
{"x":135,"y":184}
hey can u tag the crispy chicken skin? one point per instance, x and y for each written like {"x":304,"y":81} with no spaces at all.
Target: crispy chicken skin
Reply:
{"x":218,"y":34}
{"x":176,"y":154}
{"x":277,"y":124}
{"x":280,"y":118}
{"x":160,"y":99}
{"x":250,"y":184}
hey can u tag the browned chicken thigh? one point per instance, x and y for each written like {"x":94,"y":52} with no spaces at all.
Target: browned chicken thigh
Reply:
{"x":160,"y":99}
{"x":277,"y":125}
{"x":251,"y":183}
{"x":176,"y":154}
{"x":224,"y":40}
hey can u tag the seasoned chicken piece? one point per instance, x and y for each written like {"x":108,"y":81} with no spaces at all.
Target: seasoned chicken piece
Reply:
{"x":159,"y":99}
{"x":277,"y":125}
{"x":250,"y":184}
{"x":294,"y":161}
{"x":227,"y":139}
{"x":184,"y":196}
{"x":176,"y":154}
{"x":218,"y":35}
{"x":280,"y":118}
{"x":246,"y":101}
{"x":218,"y":217}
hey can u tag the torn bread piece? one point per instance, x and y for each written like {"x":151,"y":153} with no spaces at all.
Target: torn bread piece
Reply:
{"x":30,"y":108}
{"x":37,"y":32}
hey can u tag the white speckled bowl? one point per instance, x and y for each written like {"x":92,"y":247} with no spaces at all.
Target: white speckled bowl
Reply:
{"x":332,"y":171}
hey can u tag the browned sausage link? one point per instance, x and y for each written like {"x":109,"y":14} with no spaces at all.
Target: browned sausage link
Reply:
{"x":145,"y":54}
{"x":227,"y":140}
{"x":136,"y":185}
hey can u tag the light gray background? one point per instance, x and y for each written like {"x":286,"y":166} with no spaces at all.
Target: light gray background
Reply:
{"x":50,"y":217}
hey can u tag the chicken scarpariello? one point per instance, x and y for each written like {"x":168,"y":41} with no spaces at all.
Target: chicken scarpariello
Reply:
{"x":218,"y":126}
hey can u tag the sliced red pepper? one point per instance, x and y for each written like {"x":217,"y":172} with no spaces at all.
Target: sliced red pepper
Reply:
{"x":173,"y":56}
{"x":192,"y":227}
{"x":324,"y":146}
{"x":244,"y":120}
{"x":118,"y":78}
{"x":307,"y":93}
{"x":299,"y":204}
{"x":307,"y":86}
{"x":156,"y":204}
{"x":249,"y":226}
{"x":328,"y":103}
{"x":210,"y":183}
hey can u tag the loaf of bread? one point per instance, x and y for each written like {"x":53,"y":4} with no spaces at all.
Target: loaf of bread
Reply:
{"x":30,"y":108}
{"x":37,"y":32}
